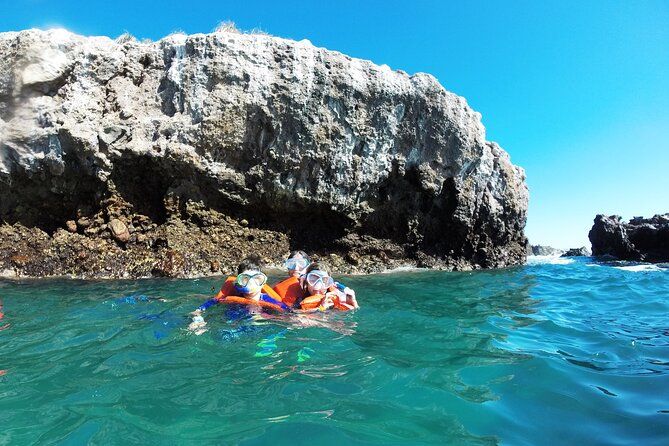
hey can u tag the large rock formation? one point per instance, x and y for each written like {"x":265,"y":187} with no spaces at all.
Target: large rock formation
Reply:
{"x":120,"y":156}
{"x":640,"y":239}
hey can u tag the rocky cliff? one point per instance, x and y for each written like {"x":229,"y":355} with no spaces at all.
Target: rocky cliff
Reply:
{"x":176,"y":157}
{"x":640,"y":239}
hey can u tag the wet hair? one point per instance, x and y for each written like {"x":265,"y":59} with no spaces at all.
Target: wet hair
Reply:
{"x":301,"y":253}
{"x":251,"y":262}
{"x":312,"y":267}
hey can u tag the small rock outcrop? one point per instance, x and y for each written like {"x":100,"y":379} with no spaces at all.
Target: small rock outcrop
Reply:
{"x":577,"y":252}
{"x":541,"y":250}
{"x":640,"y":239}
{"x":179,"y":156}
{"x":119,"y":230}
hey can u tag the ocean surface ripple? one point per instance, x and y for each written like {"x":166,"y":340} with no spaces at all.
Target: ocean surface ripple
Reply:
{"x":554,"y":352}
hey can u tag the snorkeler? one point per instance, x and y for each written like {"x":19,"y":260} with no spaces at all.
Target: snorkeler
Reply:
{"x":247,"y":288}
{"x":290,"y":289}
{"x":320,"y":292}
{"x":295,"y":287}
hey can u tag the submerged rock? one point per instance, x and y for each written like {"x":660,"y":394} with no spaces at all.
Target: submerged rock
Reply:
{"x":577,"y":252}
{"x":640,"y":239}
{"x":183,"y":138}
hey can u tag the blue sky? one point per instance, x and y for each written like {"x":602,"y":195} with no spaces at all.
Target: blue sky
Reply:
{"x":577,"y":92}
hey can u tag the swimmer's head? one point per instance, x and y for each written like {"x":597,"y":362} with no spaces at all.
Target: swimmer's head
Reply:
{"x":316,"y":280}
{"x":297,"y":263}
{"x":250,"y":279}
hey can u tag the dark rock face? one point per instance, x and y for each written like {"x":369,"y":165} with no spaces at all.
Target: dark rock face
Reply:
{"x":540,"y":250}
{"x":154,"y":153}
{"x":577,"y":252}
{"x":640,"y":239}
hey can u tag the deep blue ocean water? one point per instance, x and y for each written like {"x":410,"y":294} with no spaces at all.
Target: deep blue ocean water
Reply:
{"x":569,"y":352}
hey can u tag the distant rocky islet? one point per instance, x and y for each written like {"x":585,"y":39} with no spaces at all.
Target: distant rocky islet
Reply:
{"x":640,"y":239}
{"x":542,"y":250}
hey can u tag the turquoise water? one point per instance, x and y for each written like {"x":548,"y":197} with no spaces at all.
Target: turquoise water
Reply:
{"x":543,"y":354}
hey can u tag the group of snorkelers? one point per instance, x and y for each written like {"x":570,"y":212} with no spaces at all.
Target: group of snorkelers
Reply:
{"x":308,"y":288}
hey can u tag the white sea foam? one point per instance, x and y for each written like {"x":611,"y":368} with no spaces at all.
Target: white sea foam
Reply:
{"x":401,"y":269}
{"x":553,"y":260}
{"x":639,"y":268}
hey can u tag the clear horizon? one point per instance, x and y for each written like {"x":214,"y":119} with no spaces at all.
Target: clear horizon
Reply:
{"x":577,"y":94}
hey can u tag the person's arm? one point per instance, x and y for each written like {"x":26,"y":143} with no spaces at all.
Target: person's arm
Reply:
{"x":211,"y":302}
{"x":198,"y":324}
{"x":272,"y":300}
{"x":207,"y":304}
{"x":317,"y":302}
{"x":349,"y":295}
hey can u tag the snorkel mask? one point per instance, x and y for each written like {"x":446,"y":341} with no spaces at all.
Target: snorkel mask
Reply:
{"x":319,"y":280}
{"x":296,"y":264}
{"x":250,"y":282}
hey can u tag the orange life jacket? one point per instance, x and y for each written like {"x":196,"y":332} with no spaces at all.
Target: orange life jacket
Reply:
{"x":289,"y":290}
{"x":228,"y":289}
{"x":313,"y":302}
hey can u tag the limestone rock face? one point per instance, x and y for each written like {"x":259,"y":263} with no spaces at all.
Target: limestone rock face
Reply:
{"x":640,"y":239}
{"x":345,"y":157}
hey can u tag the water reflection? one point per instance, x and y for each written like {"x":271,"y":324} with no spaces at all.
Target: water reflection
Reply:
{"x":432,"y":328}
